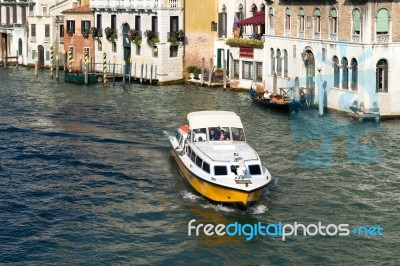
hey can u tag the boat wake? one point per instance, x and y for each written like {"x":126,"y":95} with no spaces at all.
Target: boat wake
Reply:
{"x":189,"y":195}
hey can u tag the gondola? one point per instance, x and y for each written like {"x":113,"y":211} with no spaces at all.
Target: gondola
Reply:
{"x":278,"y":102}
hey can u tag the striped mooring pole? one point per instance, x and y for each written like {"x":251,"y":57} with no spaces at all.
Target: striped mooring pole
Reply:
{"x":104,"y":69}
{"x":51,"y":61}
{"x":70,"y":59}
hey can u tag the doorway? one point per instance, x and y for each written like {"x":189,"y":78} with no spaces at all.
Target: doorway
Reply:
{"x":40,"y":56}
{"x":126,"y":43}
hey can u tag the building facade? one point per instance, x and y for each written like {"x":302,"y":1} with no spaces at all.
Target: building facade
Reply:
{"x":344,"y":50}
{"x":13,"y":30}
{"x":46,"y":30}
{"x":142,"y":32}
{"x":78,"y":39}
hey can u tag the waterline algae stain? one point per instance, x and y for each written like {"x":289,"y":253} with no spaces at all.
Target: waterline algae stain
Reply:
{"x":86,"y":177}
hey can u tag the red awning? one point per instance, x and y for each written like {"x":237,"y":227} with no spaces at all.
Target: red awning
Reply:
{"x":257,"y":19}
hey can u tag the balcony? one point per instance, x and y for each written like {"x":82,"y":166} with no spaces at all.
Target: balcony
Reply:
{"x":61,"y":39}
{"x":32,"y":39}
{"x":237,"y":42}
{"x":46,"y":39}
{"x":317,"y":35}
{"x":130,"y":4}
{"x":287,"y":32}
{"x":300,"y":34}
{"x":333,"y":36}
{"x":382,"y":38}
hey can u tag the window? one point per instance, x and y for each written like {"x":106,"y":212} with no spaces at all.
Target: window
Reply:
{"x":19,"y":47}
{"x":154,"y":24}
{"x":317,"y":20}
{"x":259,"y":70}
{"x":287,"y":19}
{"x":285,"y":63}
{"x":71,"y":26}
{"x":7,"y":15}
{"x":199,"y":161}
{"x":33,"y":54}
{"x":382,"y":76}
{"x":272,"y":62}
{"x":345,"y":74}
{"x":356,"y":21}
{"x":301,"y":20}
{"x":44,"y":8}
{"x":333,"y":20}
{"x":206,"y":167}
{"x":235,"y":69}
{"x":85,"y":26}
{"x":14,"y":11}
{"x":354,"y":74}
{"x":247,"y":70}
{"x":47,"y":55}
{"x":382,"y":21}
{"x":113,"y":22}
{"x":61,"y":31}
{"x":238,"y":134}
{"x":33,"y":30}
{"x":47,"y":30}
{"x":222,"y":23}
{"x":173,"y":23}
{"x":271,"y":18}
{"x":220,"y":170}
{"x":240,"y":16}
{"x":114,"y":47}
{"x":255,"y":169}
{"x":99,"y":46}
{"x":137,"y":50}
{"x":173,"y":51}
{"x":137,"y":23}
{"x":98,"y":21}
{"x":278,"y":63}
{"x":336,"y":74}
{"x":193,"y":156}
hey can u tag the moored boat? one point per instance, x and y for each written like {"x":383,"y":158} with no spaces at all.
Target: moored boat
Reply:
{"x":278,"y":102}
{"x":79,"y":78}
{"x":212,"y":154}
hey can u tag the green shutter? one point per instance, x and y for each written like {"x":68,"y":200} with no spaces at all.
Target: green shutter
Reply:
{"x":333,"y":13}
{"x":271,"y":11}
{"x":287,"y":11}
{"x":220,"y":24}
{"x":301,"y":13}
{"x":317,"y":13}
{"x":382,"y":21}
{"x":357,"y":20}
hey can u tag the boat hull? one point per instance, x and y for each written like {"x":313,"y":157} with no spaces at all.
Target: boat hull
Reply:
{"x":80,"y":78}
{"x":214,"y":192}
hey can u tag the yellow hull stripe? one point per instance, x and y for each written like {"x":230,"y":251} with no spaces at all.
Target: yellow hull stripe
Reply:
{"x":214,"y":192}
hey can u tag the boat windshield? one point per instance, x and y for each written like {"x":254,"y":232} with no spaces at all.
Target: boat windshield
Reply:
{"x":219,"y":133}
{"x":238,"y":134}
{"x":200,"y":134}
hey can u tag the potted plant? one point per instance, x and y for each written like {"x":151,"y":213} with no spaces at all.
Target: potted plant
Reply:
{"x":94,"y":31}
{"x":135,"y":37}
{"x":218,"y":72}
{"x":111,"y":34}
{"x":176,"y":36}
{"x":197,"y":72}
{"x":191,"y":70}
{"x":152,"y":37}
{"x":70,"y":32}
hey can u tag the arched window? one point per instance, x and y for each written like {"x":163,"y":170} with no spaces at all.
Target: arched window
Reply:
{"x":317,"y":23}
{"x":345,"y":74}
{"x":262,"y":7}
{"x":356,"y":21}
{"x":336,"y":74}
{"x":272,"y":61}
{"x":271,"y":19}
{"x":253,"y":8}
{"x":301,"y":21}
{"x":285,"y":63}
{"x":333,"y":19}
{"x":354,"y":74}
{"x":382,"y":68}
{"x":20,"y":47}
{"x":240,"y":16}
{"x":287,"y":21}
{"x":222,"y":28}
{"x":278,"y":63}
{"x":382,"y":21}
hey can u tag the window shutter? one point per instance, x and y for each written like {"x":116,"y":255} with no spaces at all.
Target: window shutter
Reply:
{"x":220,"y":24}
{"x":82,"y":26}
{"x":382,"y":21}
{"x":357,"y":20}
{"x":301,"y":12}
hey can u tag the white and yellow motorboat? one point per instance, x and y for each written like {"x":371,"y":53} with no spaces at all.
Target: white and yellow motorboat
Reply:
{"x":214,"y":157}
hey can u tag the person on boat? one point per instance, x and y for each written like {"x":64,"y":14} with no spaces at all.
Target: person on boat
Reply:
{"x":267,"y":95}
{"x":214,"y":135}
{"x":222,"y":135}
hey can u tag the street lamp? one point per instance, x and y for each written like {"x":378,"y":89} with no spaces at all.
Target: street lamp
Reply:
{"x":320,"y":91}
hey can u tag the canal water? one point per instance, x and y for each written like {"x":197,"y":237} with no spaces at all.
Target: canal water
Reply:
{"x":86,"y":177}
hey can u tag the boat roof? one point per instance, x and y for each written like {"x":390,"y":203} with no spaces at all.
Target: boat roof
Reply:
{"x":220,"y":151}
{"x":203,"y":119}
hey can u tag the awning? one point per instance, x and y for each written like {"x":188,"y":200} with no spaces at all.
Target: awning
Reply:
{"x":257,"y":19}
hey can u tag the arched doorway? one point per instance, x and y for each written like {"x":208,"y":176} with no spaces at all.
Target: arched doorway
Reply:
{"x":309,"y":63}
{"x":40,"y":56}
{"x":126,"y":43}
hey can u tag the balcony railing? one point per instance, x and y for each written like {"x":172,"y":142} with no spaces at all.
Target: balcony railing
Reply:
{"x":32,"y":39}
{"x":46,"y":39}
{"x":356,"y":38}
{"x":287,"y":32}
{"x":382,"y":38}
{"x":317,"y":35}
{"x":61,"y":39}
{"x":130,"y":4}
{"x":300,"y":34}
{"x":333,"y":36}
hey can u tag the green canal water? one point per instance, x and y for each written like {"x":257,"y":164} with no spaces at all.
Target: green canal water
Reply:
{"x":86,"y":177}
